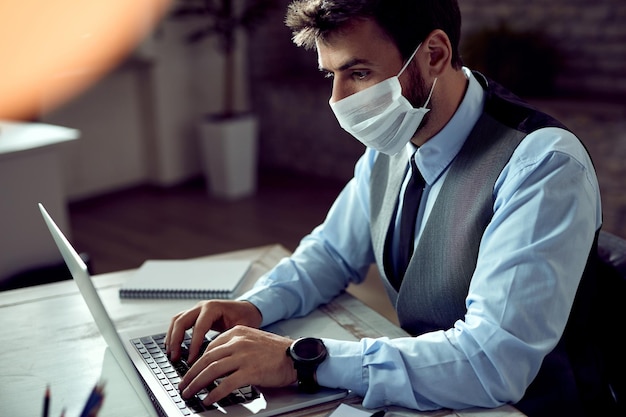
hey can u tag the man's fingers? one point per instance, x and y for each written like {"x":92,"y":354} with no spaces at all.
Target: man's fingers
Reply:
{"x":225,"y":387}
{"x":218,"y":314}
{"x":201,"y":327}
{"x":173,"y":339}
{"x":176,"y":332}
{"x":206,"y":370}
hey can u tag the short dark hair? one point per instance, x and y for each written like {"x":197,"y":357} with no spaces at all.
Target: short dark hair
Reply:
{"x":407,"y":22}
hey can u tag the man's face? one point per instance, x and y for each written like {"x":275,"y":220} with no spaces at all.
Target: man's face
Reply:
{"x":362,"y":55}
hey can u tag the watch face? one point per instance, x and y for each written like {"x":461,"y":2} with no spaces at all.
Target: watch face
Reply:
{"x":309,"y":349}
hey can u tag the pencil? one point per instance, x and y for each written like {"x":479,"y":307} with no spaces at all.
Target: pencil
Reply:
{"x":94,"y":402}
{"x":46,"y":402}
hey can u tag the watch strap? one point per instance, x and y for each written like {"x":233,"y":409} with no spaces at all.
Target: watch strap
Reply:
{"x":306,"y":377}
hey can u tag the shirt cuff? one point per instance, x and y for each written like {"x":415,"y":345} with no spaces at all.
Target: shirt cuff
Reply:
{"x":262,"y":298}
{"x":343,"y":367}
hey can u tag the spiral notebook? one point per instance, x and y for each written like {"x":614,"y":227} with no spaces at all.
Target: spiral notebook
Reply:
{"x":189,"y":278}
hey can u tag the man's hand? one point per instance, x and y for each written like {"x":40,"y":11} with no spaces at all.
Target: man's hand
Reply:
{"x":241,"y":356}
{"x":219,"y":315}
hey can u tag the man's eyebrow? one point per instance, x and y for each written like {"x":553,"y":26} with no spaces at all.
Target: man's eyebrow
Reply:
{"x":351,"y":63}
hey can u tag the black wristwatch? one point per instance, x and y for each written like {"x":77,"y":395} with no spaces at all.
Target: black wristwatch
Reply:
{"x":307,"y":353}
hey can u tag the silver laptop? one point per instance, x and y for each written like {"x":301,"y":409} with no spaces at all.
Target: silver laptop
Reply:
{"x":154,"y":378}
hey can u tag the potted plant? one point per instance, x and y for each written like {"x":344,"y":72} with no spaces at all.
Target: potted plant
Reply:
{"x":228,"y":139}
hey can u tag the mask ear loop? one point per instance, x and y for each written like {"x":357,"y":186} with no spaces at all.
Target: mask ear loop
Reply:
{"x":405,"y":67}
{"x":431,"y":93}
{"x":408,"y":61}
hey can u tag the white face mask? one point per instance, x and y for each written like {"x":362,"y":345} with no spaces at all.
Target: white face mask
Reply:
{"x":380,"y":116}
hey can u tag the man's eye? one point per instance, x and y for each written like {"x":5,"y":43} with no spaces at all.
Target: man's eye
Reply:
{"x":360,"y":75}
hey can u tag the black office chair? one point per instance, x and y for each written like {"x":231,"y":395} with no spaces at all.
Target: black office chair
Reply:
{"x":593,"y":336}
{"x":611,"y":317}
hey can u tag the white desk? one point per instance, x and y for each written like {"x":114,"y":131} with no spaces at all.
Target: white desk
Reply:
{"x":49,"y":337}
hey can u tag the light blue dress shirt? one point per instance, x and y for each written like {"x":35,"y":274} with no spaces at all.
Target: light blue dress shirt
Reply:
{"x":532,"y":254}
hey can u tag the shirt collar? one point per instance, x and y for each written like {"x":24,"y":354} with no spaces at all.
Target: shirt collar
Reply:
{"x":437,"y":153}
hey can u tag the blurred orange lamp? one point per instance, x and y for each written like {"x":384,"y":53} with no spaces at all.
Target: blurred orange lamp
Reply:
{"x":52,"y":50}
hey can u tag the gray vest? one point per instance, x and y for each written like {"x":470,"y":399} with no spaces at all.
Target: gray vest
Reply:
{"x":432,"y":294}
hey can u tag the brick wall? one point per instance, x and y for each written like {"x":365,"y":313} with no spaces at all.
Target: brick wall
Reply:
{"x":591,"y":35}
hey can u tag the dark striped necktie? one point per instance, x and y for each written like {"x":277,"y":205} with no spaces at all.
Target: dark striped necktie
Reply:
{"x":410,"y":207}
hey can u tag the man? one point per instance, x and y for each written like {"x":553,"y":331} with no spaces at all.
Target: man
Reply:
{"x":507,"y":219}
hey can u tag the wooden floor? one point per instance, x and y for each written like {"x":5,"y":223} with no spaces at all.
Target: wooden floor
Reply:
{"x":121,"y":230}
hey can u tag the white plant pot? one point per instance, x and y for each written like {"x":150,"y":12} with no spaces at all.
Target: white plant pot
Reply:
{"x":229,"y":153}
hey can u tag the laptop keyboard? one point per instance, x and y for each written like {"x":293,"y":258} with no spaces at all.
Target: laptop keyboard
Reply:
{"x":152,"y":349}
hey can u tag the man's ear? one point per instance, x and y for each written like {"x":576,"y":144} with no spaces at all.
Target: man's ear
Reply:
{"x":439,"y":50}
